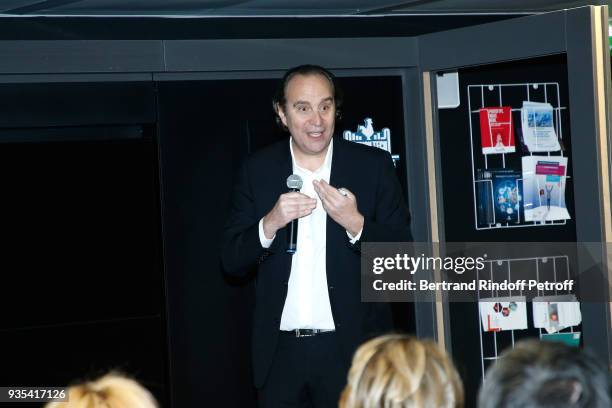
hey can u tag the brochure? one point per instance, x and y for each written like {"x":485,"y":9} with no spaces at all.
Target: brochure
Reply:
{"x":484,"y":198}
{"x":503,"y":313}
{"x":544,"y":188}
{"x":555,"y":313}
{"x":497,"y":130}
{"x":501,"y":196}
{"x":537,"y":126}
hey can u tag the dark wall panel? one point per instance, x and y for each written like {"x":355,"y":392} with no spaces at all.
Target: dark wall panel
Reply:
{"x":258,"y":54}
{"x":41,"y":57}
{"x":82,"y":288}
{"x":81,"y":224}
{"x":74,"y":104}
{"x":204,"y":132}
{"x":83,"y":285}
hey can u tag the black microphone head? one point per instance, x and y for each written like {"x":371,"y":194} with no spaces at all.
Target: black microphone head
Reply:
{"x":294,"y":182}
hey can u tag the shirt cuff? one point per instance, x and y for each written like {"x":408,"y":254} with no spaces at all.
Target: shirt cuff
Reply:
{"x":355,"y":238}
{"x":265,"y":242}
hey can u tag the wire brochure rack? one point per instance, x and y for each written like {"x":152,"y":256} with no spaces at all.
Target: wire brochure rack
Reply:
{"x":553,"y":268}
{"x":513,"y":95}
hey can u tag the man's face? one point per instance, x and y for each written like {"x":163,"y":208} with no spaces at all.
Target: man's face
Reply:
{"x":309,"y":113}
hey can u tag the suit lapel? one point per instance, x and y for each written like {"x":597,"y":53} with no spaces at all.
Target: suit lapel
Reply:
{"x":281,"y":169}
{"x":336,"y":235}
{"x":340,"y":175}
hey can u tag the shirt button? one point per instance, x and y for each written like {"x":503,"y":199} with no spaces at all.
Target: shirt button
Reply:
{"x":331,"y":288}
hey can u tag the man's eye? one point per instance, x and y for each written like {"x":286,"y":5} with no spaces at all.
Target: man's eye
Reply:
{"x":302,"y":108}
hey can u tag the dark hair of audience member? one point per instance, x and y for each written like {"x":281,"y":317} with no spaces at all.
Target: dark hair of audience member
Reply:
{"x":539,"y":374}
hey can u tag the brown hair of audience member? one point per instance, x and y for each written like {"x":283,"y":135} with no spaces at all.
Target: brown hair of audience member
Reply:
{"x":110,"y":391}
{"x":400,"y":371}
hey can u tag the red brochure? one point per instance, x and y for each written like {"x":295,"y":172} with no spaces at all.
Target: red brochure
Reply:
{"x":497,"y":130}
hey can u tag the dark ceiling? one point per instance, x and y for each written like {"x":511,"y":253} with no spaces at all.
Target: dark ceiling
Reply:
{"x":279,"y":7}
{"x":211,"y":19}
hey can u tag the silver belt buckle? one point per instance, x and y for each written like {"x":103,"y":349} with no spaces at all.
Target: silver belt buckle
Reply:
{"x":299,"y":334}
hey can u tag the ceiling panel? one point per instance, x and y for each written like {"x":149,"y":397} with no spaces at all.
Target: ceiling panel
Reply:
{"x":491,"y":6}
{"x":204,"y":7}
{"x":280,"y":7}
{"x":13,"y":4}
{"x":158,"y":28}
{"x":151,"y":6}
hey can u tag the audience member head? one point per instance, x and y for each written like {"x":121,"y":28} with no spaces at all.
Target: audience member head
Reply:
{"x":399,"y":371}
{"x":545,"y":375}
{"x":110,"y":391}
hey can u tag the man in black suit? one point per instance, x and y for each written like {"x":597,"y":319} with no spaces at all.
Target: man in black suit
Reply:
{"x":309,"y":317}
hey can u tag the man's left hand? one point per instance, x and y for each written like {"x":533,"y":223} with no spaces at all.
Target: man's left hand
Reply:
{"x":341,"y":208}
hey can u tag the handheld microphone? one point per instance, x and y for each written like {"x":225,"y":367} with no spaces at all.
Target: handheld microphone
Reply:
{"x":294,"y":184}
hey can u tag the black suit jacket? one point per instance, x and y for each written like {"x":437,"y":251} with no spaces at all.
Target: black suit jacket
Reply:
{"x":370,"y":175}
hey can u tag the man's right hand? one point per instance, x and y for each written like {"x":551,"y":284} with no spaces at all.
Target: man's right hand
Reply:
{"x":288,"y":207}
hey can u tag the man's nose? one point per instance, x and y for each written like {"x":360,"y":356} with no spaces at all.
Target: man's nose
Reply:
{"x":317,"y":118}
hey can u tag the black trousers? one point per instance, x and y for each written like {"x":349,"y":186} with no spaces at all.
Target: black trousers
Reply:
{"x":305,"y":372}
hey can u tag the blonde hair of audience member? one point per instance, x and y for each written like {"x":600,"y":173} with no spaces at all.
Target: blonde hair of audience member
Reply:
{"x":399,"y":371}
{"x":110,"y":391}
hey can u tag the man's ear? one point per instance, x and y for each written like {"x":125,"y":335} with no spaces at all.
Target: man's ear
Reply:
{"x":281,"y":114}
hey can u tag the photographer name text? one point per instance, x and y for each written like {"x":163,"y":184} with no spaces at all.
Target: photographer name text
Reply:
{"x":481,"y":285}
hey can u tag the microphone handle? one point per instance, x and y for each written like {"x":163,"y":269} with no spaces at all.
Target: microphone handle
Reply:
{"x":292,"y":231}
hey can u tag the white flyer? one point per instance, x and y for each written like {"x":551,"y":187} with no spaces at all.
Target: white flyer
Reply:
{"x":538,"y":128}
{"x":503,"y":313}
{"x":555,"y":313}
{"x":544,"y":180}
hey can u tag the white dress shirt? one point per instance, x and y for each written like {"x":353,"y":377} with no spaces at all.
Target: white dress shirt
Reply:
{"x":307,"y":305}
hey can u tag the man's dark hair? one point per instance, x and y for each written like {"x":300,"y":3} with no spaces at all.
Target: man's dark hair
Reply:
{"x":545,"y":375}
{"x":280,"y":98}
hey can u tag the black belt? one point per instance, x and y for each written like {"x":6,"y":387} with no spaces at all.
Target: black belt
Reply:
{"x":305,"y":332}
